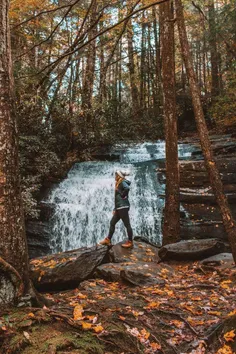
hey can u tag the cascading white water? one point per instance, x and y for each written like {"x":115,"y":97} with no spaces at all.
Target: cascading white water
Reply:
{"x":85,"y":199}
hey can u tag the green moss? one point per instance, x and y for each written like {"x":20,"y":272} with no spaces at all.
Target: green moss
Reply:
{"x":17,"y":344}
{"x":87,"y":343}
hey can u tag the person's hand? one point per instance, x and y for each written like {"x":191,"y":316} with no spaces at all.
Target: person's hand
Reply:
{"x":114,"y":211}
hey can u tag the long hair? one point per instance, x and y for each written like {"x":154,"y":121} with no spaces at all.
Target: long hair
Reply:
{"x":118,"y":181}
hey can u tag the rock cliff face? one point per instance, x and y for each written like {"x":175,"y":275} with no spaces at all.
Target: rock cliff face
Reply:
{"x":202,"y":217}
{"x":38,"y":232}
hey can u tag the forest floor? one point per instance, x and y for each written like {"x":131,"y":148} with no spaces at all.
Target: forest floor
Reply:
{"x":194,"y":312}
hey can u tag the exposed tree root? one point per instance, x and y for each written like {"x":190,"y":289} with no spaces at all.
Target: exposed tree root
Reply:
{"x":10,"y":276}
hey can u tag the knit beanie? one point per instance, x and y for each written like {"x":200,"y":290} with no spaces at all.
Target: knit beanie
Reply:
{"x":122,"y":173}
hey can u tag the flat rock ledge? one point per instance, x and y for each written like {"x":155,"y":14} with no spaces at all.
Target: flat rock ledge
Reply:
{"x":141,"y":251}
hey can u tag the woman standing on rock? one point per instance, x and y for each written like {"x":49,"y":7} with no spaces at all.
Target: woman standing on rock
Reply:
{"x":121,"y":210}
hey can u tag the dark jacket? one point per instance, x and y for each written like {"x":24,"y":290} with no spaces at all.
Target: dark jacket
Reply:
{"x":121,"y":195}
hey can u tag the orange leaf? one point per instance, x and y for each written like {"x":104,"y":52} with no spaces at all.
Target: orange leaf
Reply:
{"x":145,"y":333}
{"x":216,"y":313}
{"x":225,"y":350}
{"x":232,"y":313}
{"x":229,"y":336}
{"x":153,"y":305}
{"x":98,"y":329}
{"x":81,"y":296}
{"x":177,"y":323}
{"x":155,"y":346}
{"x":86,"y":325}
{"x":78,"y":312}
{"x":122,"y":318}
{"x":31,"y":314}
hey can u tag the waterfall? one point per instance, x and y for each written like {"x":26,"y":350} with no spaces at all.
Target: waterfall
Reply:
{"x":85,"y":199}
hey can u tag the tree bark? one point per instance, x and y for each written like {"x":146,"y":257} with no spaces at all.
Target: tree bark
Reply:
{"x":215,"y":81}
{"x":171,"y":225}
{"x":211,"y":167}
{"x":132,"y":71}
{"x":13,"y":246}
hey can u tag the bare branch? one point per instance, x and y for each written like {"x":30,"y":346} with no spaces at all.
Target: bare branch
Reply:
{"x":52,"y":33}
{"x":71,"y":51}
{"x":43,"y":13}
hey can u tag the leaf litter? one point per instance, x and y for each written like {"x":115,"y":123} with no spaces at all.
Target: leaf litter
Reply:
{"x":192,"y":313}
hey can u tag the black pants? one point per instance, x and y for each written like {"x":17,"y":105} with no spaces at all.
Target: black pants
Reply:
{"x":122,"y":214}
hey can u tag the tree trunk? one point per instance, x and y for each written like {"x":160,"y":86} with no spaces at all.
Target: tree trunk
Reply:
{"x":13,"y":246}
{"x":215,"y":80}
{"x":171,"y":225}
{"x":213,"y":172}
{"x":143,"y":65}
{"x":132,"y":71}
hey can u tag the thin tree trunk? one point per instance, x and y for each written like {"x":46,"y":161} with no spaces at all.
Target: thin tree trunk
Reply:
{"x":142,"y":65}
{"x":13,"y":246}
{"x":132,"y":71}
{"x":213,"y":172}
{"x":171,"y":225}
{"x":215,"y":82}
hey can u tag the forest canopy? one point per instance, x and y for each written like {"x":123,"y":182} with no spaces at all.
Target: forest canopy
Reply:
{"x":89,"y":73}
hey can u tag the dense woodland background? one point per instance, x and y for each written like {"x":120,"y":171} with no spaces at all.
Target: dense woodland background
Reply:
{"x":87,"y":74}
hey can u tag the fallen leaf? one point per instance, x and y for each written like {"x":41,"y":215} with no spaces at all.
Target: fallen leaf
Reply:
{"x":155,"y":346}
{"x":229,"y":336}
{"x":86,"y":325}
{"x":31,"y":314}
{"x":98,"y":329}
{"x":225,"y":350}
{"x":122,"y":318}
{"x":26,"y":334}
{"x":78,"y":312}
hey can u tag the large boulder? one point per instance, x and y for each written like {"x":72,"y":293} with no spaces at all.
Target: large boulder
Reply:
{"x":135,"y":273}
{"x":141,"y":251}
{"x":67,"y":269}
{"x":219,"y":259}
{"x":191,"y":249}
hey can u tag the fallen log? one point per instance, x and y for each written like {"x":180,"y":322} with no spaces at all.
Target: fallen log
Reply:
{"x":67,"y":269}
{"x":191,"y":249}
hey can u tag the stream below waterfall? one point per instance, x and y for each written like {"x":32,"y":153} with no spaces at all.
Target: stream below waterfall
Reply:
{"x":85,"y":199}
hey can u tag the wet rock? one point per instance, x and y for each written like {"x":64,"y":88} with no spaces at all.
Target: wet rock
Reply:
{"x":109,"y":272}
{"x":191,"y":249}
{"x":66,"y":270}
{"x":143,"y":275}
{"x":135,"y":273}
{"x":38,"y":236}
{"x":195,"y":196}
{"x":219,"y":259}
{"x":146,"y":240}
{"x":194,"y":174}
{"x":202,"y":230}
{"x":46,"y":211}
{"x":140,"y":252}
{"x":224,"y":165}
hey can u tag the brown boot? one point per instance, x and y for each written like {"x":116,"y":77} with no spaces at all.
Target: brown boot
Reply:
{"x":128,"y":244}
{"x":105,"y":242}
